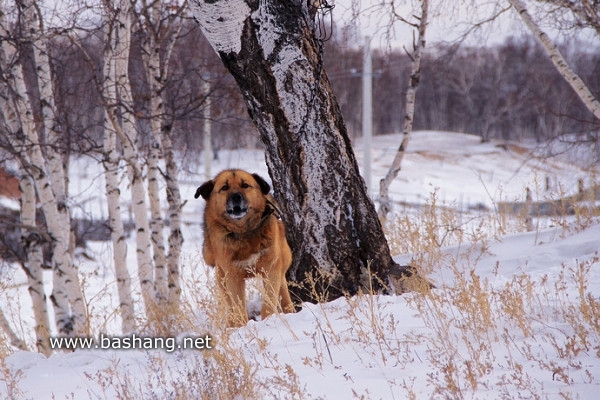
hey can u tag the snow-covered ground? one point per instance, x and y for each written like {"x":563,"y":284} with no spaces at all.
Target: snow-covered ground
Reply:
{"x":513,"y":317}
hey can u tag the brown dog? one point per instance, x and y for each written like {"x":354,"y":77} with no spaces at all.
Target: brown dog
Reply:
{"x":242,"y":239}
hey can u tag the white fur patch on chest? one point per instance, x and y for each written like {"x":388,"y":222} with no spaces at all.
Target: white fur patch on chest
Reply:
{"x":250,"y":262}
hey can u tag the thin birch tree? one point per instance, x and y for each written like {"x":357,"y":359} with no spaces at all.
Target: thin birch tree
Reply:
{"x":33,"y":264}
{"x":117,"y":232}
{"x":118,"y":99}
{"x":107,"y":87}
{"x":111,"y":160}
{"x":49,"y":128}
{"x":385,"y":203}
{"x":160,"y":27}
{"x":30,"y":238}
{"x":561,"y":64}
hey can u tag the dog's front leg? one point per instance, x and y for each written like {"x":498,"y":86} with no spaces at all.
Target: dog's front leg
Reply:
{"x":271,"y":287}
{"x":233,"y":291}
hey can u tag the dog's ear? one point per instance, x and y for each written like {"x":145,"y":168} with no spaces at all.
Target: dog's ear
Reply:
{"x":264,"y":186}
{"x":205,"y":190}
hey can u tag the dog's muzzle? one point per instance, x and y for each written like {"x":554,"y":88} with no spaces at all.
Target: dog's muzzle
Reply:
{"x":236,"y":206}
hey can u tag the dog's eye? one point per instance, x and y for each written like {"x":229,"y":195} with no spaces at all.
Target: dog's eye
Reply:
{"x":224,"y":188}
{"x":245,"y":185}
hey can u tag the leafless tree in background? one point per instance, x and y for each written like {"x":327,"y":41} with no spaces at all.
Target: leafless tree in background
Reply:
{"x":385,"y":203}
{"x":159,"y":24}
{"x":121,"y":120}
{"x":590,"y":14}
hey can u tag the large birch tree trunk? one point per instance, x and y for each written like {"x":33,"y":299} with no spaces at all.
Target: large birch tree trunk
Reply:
{"x":557,"y":59}
{"x":385,"y":203}
{"x":271,"y":50}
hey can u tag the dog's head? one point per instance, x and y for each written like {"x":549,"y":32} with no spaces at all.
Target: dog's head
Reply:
{"x":235,"y":196}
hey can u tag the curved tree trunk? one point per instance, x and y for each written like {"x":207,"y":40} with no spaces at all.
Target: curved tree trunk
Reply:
{"x":385,"y":203}
{"x":332,"y":226}
{"x":558,"y":60}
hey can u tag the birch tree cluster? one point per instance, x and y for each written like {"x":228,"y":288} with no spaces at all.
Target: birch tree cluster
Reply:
{"x":72,"y":91}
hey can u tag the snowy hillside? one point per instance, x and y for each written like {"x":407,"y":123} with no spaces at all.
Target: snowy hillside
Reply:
{"x":515,"y":315}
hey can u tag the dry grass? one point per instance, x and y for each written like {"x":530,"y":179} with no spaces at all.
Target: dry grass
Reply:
{"x":547,"y":322}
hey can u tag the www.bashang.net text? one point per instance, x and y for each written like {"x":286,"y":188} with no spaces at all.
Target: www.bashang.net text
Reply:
{"x":132,"y":342}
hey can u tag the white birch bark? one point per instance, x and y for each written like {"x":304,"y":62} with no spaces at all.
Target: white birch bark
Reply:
{"x":158,"y":47}
{"x":49,"y":128}
{"x":151,"y":51}
{"x":62,"y":264}
{"x":117,"y":231}
{"x":385,"y":203}
{"x":156,"y":224}
{"x":33,"y":265}
{"x":557,"y":59}
{"x":111,"y":164}
{"x":174,"y":214}
{"x":172,"y":182}
{"x":117,"y":92}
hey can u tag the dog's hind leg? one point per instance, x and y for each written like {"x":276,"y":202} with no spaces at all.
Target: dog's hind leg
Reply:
{"x":284,"y":296}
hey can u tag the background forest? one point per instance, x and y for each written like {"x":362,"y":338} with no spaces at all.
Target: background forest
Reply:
{"x":509,"y":91}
